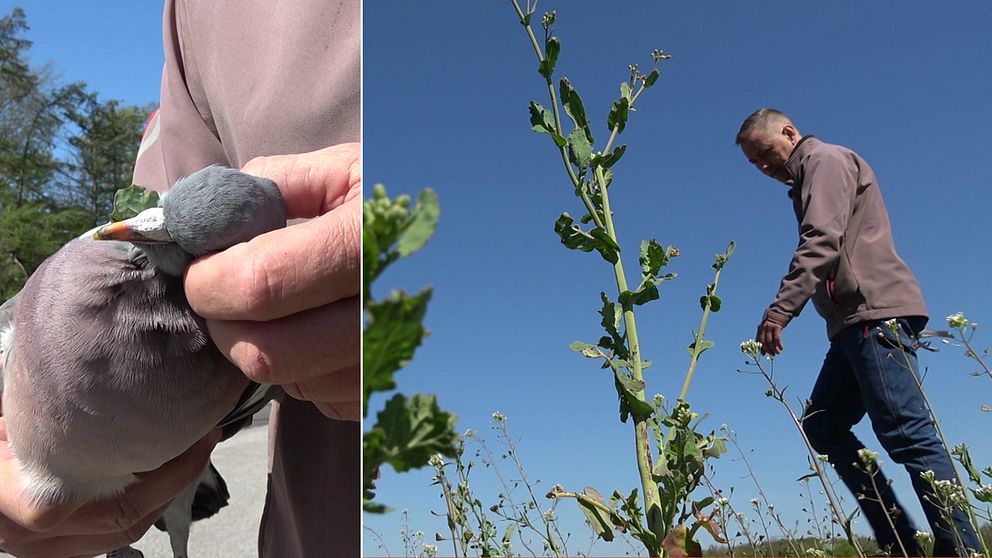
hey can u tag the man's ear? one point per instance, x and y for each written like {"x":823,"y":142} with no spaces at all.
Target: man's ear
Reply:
{"x":791,"y":132}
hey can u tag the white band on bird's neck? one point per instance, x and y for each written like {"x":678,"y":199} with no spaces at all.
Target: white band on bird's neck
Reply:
{"x":150,"y":223}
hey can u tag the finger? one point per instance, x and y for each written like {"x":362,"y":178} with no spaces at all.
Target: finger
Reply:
{"x":341,"y":411}
{"x":26,"y":520}
{"x":89,"y":545}
{"x":295,"y":348}
{"x":335,"y":394}
{"x":281,"y":272}
{"x":154,"y":490}
{"x":313,"y":183}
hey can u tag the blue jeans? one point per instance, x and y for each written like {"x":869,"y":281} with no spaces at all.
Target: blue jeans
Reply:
{"x":870,"y":370}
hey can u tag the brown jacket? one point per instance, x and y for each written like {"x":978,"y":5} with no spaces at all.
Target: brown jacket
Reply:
{"x":250,"y":78}
{"x":846,"y":259}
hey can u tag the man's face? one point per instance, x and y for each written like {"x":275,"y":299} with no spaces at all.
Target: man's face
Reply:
{"x":769,"y":149}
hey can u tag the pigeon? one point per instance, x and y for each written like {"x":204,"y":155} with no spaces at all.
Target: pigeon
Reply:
{"x":106,"y":370}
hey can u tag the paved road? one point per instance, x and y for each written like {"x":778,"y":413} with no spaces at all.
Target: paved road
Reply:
{"x":233,"y":532}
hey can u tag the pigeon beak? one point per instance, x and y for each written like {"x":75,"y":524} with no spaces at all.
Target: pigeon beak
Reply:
{"x":147,"y":227}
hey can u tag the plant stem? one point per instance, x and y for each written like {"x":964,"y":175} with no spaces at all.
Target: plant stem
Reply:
{"x":697,"y":348}
{"x":943,"y":439}
{"x":590,"y":207}
{"x":652,"y":496}
{"x":779,"y":395}
{"x":888,"y":516}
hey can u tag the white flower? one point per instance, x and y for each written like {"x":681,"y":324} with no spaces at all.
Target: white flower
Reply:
{"x":984,"y":493}
{"x":814,"y":552}
{"x":867,"y":456}
{"x":750,"y":347}
{"x":957,"y":320}
{"x":723,"y":501}
{"x":923,"y":537}
{"x":892,"y":325}
{"x":436,"y":461}
{"x":754,"y":501}
{"x":498,"y":416}
{"x":823,"y":457}
{"x":430,"y":549}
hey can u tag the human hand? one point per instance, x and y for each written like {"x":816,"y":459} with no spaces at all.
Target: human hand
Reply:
{"x":29,"y":529}
{"x":770,"y":336}
{"x":284,"y":307}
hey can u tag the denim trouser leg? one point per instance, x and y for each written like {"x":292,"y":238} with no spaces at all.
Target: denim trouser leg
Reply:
{"x":866,"y":371}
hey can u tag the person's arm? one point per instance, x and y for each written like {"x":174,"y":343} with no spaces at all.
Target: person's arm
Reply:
{"x":284,"y":307}
{"x":829,"y":186}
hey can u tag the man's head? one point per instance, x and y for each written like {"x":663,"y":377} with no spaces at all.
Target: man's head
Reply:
{"x":767,"y":138}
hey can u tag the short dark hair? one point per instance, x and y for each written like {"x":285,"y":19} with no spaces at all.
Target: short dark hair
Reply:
{"x":761,"y":118}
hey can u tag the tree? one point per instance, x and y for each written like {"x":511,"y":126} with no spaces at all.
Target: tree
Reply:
{"x":63,"y":153}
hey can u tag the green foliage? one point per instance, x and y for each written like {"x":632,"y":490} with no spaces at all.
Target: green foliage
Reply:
{"x":658,"y":514}
{"x":130,"y":201}
{"x":408,"y":431}
{"x":49,"y":197}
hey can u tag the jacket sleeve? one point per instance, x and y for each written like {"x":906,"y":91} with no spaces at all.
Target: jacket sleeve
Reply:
{"x":828,"y":186}
{"x":180,"y":137}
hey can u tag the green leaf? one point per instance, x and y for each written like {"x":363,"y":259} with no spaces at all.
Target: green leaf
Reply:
{"x":618,"y":114}
{"x":629,"y":384}
{"x":963,"y":456}
{"x":703,"y":346}
{"x":406,"y":434}
{"x":630,"y":404}
{"x":131,"y":201}
{"x":511,"y":530}
{"x":612,"y":314}
{"x":595,"y":516}
{"x":712,"y":301}
{"x":716,"y":448}
{"x":394,"y":330}
{"x":720,"y":260}
{"x":390,"y":230}
{"x":651,"y":78}
{"x":543,"y":121}
{"x":588,"y":350}
{"x":579,"y":149}
{"x":573,"y":237}
{"x":645,"y":293}
{"x":572,"y":102}
{"x":421,"y":225}
{"x":579,"y":346}
{"x":678,"y":543}
{"x":607,"y":160}
{"x":409,"y":431}
{"x":551,"y":49}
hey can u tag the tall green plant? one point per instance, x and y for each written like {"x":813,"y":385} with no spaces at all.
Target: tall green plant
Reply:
{"x":408,"y":430}
{"x":670,"y":452}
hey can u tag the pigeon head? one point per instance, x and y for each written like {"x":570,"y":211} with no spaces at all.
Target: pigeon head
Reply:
{"x":208,"y":211}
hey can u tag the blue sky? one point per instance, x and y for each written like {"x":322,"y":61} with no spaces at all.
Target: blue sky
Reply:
{"x":446,"y":91}
{"x":113,"y":46}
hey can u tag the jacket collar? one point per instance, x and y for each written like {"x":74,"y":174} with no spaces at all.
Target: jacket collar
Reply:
{"x":799,"y":152}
